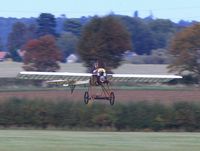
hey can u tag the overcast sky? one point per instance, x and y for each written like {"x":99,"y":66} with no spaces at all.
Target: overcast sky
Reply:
{"x":166,"y":9}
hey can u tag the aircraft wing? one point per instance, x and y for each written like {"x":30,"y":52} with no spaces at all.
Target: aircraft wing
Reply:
{"x":61,"y":78}
{"x":142,"y":78}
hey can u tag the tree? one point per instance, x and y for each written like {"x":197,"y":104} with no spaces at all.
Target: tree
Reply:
{"x":1,"y":44}
{"x":104,"y":39}
{"x":73,"y":26}
{"x":185,"y":47}
{"x":67,"y":43}
{"x":141,"y":35}
{"x":46,"y":24}
{"x":41,"y":54}
{"x":31,"y":32}
{"x":16,"y":39}
{"x":163,"y":30}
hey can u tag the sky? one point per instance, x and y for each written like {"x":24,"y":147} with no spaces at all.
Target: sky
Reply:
{"x":167,"y":9}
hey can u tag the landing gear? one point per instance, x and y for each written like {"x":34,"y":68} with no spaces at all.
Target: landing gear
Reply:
{"x":101,"y":91}
{"x":86,"y":97}
{"x":112,"y":98}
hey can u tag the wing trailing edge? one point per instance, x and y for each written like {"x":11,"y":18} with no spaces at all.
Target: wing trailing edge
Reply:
{"x":143,"y":78}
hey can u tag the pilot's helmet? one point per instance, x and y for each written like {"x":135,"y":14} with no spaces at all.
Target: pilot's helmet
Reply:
{"x":101,"y":72}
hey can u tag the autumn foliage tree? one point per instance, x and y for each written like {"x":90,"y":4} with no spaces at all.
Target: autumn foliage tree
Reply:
{"x":41,"y":54}
{"x":104,"y":39}
{"x":185,"y":47}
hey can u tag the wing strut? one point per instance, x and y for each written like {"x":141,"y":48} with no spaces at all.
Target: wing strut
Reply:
{"x":72,"y":87}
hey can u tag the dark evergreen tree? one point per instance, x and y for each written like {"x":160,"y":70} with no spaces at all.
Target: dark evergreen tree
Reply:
{"x":46,"y":24}
{"x":67,"y":42}
{"x":16,"y":39}
{"x":31,"y":32}
{"x":73,"y":26}
{"x":163,"y":30}
{"x":141,"y":35}
{"x":1,"y":45}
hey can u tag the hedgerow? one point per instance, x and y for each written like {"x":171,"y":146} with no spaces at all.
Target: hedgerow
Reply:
{"x":133,"y":116}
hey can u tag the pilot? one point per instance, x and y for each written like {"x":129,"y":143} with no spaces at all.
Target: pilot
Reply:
{"x":100,"y":73}
{"x":96,"y":66}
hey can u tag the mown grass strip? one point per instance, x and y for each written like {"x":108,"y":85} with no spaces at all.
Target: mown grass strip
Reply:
{"x":32,"y":140}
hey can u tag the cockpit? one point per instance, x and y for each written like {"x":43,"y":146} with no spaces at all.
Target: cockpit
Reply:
{"x":101,"y":74}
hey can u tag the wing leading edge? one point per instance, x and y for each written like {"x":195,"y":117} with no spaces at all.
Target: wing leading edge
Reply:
{"x":62,"y":78}
{"x":82,"y":78}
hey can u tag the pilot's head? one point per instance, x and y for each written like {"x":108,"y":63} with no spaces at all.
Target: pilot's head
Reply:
{"x":96,"y":65}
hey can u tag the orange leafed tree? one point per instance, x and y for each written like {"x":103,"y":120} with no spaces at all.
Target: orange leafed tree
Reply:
{"x":185,"y":47}
{"x":41,"y":54}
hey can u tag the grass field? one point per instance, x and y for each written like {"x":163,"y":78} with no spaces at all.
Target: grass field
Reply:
{"x":38,"y":140}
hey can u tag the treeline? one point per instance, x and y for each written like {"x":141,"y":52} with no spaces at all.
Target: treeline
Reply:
{"x":142,"y":116}
{"x":146,"y":34}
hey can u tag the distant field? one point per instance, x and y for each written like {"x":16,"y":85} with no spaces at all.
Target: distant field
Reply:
{"x":11,"y":69}
{"x":121,"y":96}
{"x":160,"y":94}
{"x":38,"y":140}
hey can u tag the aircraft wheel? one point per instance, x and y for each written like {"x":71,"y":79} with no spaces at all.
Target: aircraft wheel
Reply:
{"x":112,"y":98}
{"x":86,"y":97}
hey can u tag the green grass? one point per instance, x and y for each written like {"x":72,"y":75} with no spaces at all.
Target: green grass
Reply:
{"x":38,"y":140}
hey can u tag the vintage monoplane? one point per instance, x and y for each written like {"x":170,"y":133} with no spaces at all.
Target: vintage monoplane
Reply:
{"x":98,"y":78}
